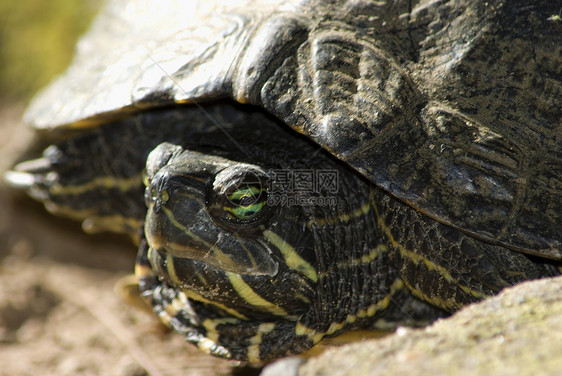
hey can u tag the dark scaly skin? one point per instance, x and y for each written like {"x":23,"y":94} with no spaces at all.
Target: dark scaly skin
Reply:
{"x":378,"y":262}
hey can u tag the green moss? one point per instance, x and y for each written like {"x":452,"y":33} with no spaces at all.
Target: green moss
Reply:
{"x":37,"y":40}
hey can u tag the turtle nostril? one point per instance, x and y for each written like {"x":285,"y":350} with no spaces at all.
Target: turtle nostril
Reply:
{"x":164,"y":196}
{"x":155,"y":196}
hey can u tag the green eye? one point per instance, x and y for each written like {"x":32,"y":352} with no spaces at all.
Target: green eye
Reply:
{"x":246,"y":202}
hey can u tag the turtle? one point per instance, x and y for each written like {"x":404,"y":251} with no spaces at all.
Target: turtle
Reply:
{"x":293,"y":170}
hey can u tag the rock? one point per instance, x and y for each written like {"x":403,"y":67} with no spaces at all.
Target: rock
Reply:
{"x":285,"y":367}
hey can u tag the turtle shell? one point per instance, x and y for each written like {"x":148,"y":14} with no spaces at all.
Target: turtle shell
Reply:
{"x":454,"y":108}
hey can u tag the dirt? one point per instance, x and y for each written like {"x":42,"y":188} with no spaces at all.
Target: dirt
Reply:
{"x":60,"y":313}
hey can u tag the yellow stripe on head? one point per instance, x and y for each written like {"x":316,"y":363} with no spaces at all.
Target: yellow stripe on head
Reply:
{"x":200,"y":298}
{"x":246,"y":292}
{"x":292,"y":258}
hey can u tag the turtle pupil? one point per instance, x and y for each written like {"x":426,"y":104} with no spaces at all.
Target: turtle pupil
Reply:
{"x":245,"y":203}
{"x":247,"y":200}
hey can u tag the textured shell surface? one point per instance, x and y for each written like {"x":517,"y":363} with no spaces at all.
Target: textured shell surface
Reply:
{"x":453,"y":107}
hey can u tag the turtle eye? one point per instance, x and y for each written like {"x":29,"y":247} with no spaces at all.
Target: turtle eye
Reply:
{"x":239,"y":199}
{"x":246,"y":202}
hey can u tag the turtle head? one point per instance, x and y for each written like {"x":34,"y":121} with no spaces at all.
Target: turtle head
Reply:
{"x":213,"y":233}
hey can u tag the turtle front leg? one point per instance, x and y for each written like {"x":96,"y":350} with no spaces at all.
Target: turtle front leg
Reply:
{"x":90,"y":178}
